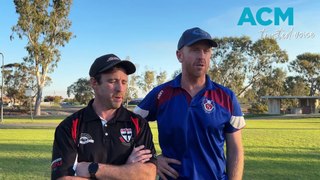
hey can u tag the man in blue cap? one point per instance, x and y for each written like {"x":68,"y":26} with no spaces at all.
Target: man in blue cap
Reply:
{"x":195,"y":117}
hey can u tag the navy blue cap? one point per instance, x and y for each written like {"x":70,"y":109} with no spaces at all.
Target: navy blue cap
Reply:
{"x":193,"y":35}
{"x":108,"y":61}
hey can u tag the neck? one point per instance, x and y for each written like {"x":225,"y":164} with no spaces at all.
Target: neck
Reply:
{"x":193,"y":84}
{"x":102,"y":111}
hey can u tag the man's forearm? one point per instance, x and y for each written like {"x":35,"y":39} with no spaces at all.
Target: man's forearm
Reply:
{"x":128,"y":171}
{"x":235,"y":155}
{"x":235,"y":164}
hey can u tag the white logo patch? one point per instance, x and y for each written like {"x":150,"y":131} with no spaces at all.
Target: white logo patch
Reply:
{"x":113,"y":58}
{"x":126,"y":133}
{"x":208,"y":105}
{"x":85,"y":138}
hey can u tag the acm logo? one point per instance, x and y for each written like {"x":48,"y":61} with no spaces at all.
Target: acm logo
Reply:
{"x":279,"y":15}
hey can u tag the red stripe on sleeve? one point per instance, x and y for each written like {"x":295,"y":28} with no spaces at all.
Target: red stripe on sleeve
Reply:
{"x":74,"y":129}
{"x":136,"y":124}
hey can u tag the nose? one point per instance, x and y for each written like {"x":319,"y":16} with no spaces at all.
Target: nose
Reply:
{"x":202,"y":53}
{"x":120,"y":87}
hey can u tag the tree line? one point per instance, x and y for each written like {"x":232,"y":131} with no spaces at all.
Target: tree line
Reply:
{"x":83,"y":93}
{"x":250,"y":69}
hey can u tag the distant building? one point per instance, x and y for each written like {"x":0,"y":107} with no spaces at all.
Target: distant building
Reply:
{"x":307,"y":104}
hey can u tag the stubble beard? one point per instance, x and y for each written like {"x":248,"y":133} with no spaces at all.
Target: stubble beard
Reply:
{"x":115,"y":105}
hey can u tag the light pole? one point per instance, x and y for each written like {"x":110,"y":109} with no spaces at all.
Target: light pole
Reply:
{"x":2,"y":87}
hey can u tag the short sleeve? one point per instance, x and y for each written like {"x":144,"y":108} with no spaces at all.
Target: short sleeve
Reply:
{"x":147,"y":108}
{"x":64,"y":152}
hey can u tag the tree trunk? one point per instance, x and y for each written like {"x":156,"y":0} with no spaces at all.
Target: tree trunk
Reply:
{"x":37,"y":107}
{"x":312,"y":88}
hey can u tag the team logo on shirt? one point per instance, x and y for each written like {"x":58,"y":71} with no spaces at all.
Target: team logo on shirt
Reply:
{"x":85,"y":138}
{"x":208,"y":105}
{"x":126,"y":134}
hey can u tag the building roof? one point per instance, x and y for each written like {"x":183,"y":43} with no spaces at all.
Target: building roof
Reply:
{"x":290,"y":97}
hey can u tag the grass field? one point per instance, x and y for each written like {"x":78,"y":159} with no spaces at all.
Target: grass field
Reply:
{"x":274,"y":149}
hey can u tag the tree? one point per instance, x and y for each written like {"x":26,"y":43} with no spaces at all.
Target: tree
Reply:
{"x":48,"y":99}
{"x":132,"y":91}
{"x":307,"y":65}
{"x":176,"y":73}
{"x":296,"y":86}
{"x":272,"y":84}
{"x":17,"y":80}
{"x":229,"y":60}
{"x":264,"y":54}
{"x":237,"y":60}
{"x":161,"y":78}
{"x":147,"y":82}
{"x":54,"y":99}
{"x":81,"y":90}
{"x":45,"y":24}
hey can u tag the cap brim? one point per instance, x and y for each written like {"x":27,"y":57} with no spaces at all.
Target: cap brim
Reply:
{"x":126,"y":65}
{"x":211,"y":42}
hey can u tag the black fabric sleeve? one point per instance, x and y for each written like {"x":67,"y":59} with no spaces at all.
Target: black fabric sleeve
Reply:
{"x":145,"y":138}
{"x":64,"y":151}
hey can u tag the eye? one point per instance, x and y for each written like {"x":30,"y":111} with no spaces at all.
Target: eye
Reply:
{"x":124,"y":82}
{"x":195,"y":49}
{"x":207,"y":50}
{"x":111,"y":81}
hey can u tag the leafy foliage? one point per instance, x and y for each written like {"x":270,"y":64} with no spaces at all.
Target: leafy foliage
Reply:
{"x":258,"y":108}
{"x":161,"y":77}
{"x":81,"y":90}
{"x":45,"y":24}
{"x":307,"y":65}
{"x":238,"y":59}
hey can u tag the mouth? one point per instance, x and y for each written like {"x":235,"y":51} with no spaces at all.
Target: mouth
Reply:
{"x":200,"y":65}
{"x":118,"y":98}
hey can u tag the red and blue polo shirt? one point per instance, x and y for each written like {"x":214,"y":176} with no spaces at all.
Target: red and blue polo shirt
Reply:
{"x":193,"y":129}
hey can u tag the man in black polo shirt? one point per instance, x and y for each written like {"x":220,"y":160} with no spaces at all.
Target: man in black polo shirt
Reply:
{"x":104,"y":140}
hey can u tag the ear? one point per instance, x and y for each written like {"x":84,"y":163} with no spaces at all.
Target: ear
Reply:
{"x":93,"y":82}
{"x":179,"y":55}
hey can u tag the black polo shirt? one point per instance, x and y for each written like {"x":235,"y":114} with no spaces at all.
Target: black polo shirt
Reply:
{"x":82,"y":137}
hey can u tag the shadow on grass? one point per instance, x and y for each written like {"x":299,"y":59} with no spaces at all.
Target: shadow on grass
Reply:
{"x":24,"y":148}
{"x":277,"y":169}
{"x":27,"y":161}
{"x":281,"y":163}
{"x":284,"y":152}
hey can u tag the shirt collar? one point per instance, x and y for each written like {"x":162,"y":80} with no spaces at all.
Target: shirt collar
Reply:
{"x":177,"y":82}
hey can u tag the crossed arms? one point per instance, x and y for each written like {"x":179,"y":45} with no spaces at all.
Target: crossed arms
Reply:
{"x":136,"y":167}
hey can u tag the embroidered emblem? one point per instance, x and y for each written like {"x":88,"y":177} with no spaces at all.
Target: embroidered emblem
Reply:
{"x":126,"y":134}
{"x":85,"y":138}
{"x":208,"y":105}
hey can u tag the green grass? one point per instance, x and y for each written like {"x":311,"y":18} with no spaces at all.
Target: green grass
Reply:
{"x":274,"y":149}
{"x":25,"y":153}
{"x":282,"y":149}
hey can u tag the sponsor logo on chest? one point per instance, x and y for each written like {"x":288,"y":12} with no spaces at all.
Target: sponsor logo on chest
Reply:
{"x":85,"y":138}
